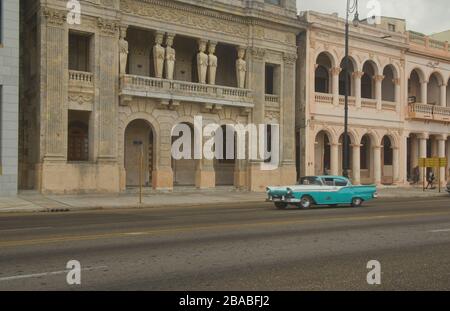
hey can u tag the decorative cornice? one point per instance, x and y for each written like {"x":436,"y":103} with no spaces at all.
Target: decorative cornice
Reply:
{"x":257,"y":53}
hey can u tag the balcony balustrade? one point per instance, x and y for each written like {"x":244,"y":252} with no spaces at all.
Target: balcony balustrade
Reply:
{"x":141,"y":86}
{"x":429,"y":112}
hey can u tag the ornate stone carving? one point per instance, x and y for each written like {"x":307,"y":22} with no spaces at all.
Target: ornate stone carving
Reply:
{"x":81,"y":99}
{"x":107,"y":27}
{"x":289,"y":58}
{"x":170,"y":57}
{"x":158,"y":55}
{"x":241,"y":68}
{"x":54,"y":17}
{"x":212,"y":63}
{"x":123,"y":50}
{"x":258,"y":53}
{"x":202,"y":61}
{"x":169,"y":11}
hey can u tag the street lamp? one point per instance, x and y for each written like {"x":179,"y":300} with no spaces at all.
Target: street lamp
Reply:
{"x":352,"y":7}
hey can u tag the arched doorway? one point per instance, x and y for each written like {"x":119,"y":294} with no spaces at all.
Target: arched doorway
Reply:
{"x":387,"y":161}
{"x":139,"y":134}
{"x":388,"y":84}
{"x":367,"y":80}
{"x":434,"y":89}
{"x":322,"y":74}
{"x":224,"y":168}
{"x":184,"y":169}
{"x":351,"y":69}
{"x":322,"y":154}
{"x":366,"y":160}
{"x":414,"y":86}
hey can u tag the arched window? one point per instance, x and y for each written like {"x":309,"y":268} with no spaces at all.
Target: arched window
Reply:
{"x":78,"y":141}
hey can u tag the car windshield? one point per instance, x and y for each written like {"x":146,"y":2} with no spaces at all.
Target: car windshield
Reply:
{"x":310,"y":181}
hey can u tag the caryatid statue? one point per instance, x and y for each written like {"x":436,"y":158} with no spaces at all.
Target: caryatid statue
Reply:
{"x":158,"y":55}
{"x":212,"y":63}
{"x":170,"y":57}
{"x":123,"y":50}
{"x":241,"y":68}
{"x":202,"y":61}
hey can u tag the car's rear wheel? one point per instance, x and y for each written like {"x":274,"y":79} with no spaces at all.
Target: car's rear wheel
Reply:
{"x":280,"y":205}
{"x":306,"y":202}
{"x":357,"y":202}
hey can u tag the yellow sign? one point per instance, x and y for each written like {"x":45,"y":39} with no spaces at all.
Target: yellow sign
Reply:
{"x":433,"y":162}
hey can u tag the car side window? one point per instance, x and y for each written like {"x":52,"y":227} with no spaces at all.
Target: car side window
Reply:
{"x":338,"y":182}
{"x":328,"y":181}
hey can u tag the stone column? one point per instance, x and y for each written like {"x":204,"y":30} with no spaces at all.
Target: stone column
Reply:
{"x":441,"y":140}
{"x":379,"y":90}
{"x":123,"y":50}
{"x":395,"y":164}
{"x":443,"y":96}
{"x":159,"y":55}
{"x":334,"y":161}
{"x":377,"y":164}
{"x":241,"y":68}
{"x":170,"y":56}
{"x":424,"y":92}
{"x":397,"y":94}
{"x":335,"y":84}
{"x":287,"y":122}
{"x":356,"y":164}
{"x":202,"y":61}
{"x":357,"y":75}
{"x":422,"y":151}
{"x":54,"y":78}
{"x":403,"y":164}
{"x":212,"y":62}
{"x":255,"y":81}
{"x":106,"y":108}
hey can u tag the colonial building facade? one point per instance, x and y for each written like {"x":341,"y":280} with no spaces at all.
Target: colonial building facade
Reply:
{"x":9,"y":95}
{"x":399,"y":104}
{"x":98,"y":90}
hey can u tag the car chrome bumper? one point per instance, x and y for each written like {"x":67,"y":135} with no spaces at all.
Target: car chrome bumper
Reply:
{"x":283,"y":199}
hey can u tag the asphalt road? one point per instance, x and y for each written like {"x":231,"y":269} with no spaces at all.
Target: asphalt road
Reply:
{"x":233,"y":247}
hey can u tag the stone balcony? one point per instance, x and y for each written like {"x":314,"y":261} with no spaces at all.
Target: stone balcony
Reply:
{"x":173,"y":92}
{"x":418,"y":111}
{"x":81,"y":90}
{"x":324,"y":98}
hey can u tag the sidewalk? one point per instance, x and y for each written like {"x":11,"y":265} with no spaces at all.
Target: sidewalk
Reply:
{"x":35,"y":202}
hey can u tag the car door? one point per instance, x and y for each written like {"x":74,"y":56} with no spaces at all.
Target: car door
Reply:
{"x":326,"y":194}
{"x":344,"y":193}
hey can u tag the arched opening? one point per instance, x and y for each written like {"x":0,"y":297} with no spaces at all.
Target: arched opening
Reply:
{"x":414,"y":89}
{"x":225,"y":166}
{"x":184,"y":169}
{"x":349,"y":153}
{"x":322,"y":154}
{"x":351,"y":69}
{"x":139,"y":144}
{"x":322,"y":73}
{"x":387,"y":161}
{"x":388,"y":84}
{"x":366,"y":160}
{"x":434,"y":89}
{"x":367,"y":80}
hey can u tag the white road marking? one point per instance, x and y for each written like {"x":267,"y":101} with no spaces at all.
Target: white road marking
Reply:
{"x":439,"y":230}
{"x":136,"y":233}
{"x":25,"y":229}
{"x":38,"y":275}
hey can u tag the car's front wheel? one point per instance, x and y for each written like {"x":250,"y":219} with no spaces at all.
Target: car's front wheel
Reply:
{"x":357,"y":202}
{"x":306,"y":202}
{"x":280,"y":205}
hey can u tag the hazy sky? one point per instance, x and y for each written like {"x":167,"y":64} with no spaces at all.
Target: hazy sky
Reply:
{"x":426,"y":16}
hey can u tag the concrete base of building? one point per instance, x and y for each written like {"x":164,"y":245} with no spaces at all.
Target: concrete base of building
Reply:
{"x":205,"y":179}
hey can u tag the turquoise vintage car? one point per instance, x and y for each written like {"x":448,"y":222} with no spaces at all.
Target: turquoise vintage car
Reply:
{"x":321,"y":190}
